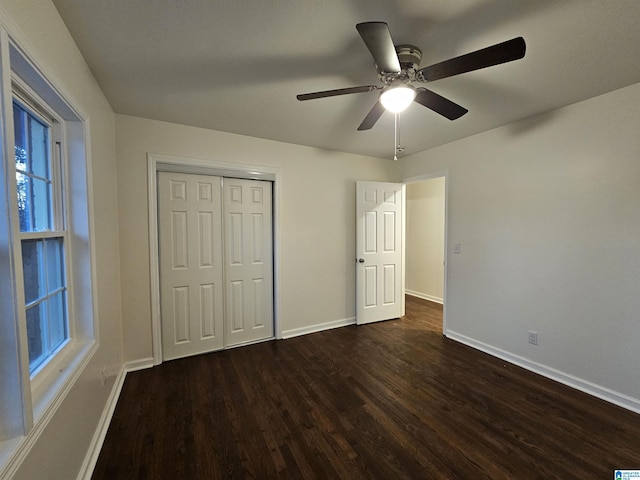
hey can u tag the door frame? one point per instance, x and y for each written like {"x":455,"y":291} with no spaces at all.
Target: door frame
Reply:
{"x":173,"y":163}
{"x":429,"y":176}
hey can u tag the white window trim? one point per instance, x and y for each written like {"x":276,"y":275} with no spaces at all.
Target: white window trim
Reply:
{"x":27,"y":408}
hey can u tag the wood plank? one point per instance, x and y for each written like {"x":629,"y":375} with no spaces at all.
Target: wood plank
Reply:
{"x":387,"y":400}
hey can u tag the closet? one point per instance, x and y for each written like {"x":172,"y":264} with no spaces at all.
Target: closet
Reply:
{"x":216,"y":262}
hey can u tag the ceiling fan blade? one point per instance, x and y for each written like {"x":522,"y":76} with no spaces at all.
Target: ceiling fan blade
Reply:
{"x":439,"y":104}
{"x":334,"y":93}
{"x":504,"y":52}
{"x":378,"y":40}
{"x":372,"y":117}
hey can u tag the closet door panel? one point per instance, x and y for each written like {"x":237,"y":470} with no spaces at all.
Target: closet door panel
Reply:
{"x":248,"y":260}
{"x":191,"y":264}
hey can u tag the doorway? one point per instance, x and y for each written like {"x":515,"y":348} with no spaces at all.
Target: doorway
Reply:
{"x":425,"y":249}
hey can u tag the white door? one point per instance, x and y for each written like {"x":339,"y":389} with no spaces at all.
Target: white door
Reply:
{"x":248,"y":261}
{"x":190,"y":216}
{"x":379,"y":250}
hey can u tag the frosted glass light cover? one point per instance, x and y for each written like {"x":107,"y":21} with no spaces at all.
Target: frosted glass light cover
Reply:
{"x":397,"y":99}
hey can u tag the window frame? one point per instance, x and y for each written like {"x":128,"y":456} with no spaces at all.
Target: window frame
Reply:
{"x":35,"y":106}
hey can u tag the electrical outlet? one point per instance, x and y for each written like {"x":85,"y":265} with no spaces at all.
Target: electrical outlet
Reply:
{"x":533,"y":338}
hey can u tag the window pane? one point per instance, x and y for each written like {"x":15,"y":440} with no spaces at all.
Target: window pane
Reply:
{"x":19,"y":124}
{"x":21,"y":159}
{"x":24,"y":201}
{"x":39,"y":147}
{"x":45,"y":297}
{"x":33,"y":171}
{"x":34,"y":203}
{"x":35,"y":335}
{"x":32,"y":265}
{"x":41,"y":205}
{"x":57,"y":321}
{"x":31,"y":138}
{"x":55,"y":264}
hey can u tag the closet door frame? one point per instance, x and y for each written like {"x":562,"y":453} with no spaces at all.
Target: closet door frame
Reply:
{"x":171,"y":163}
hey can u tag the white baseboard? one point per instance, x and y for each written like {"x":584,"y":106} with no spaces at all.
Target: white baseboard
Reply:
{"x":141,"y":364}
{"x":91,"y":457}
{"x":424,"y":296}
{"x":585,"y":386}
{"x":95,"y":446}
{"x":296,"y":332}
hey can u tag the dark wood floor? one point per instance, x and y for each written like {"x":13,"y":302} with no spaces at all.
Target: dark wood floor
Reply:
{"x":391,"y":400}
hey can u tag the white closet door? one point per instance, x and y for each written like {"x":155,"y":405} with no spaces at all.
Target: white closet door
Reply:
{"x":191,"y":285}
{"x":248,"y":260}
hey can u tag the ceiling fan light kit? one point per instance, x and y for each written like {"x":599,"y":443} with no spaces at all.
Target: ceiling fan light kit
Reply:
{"x":399,"y":66}
{"x":397,"y":98}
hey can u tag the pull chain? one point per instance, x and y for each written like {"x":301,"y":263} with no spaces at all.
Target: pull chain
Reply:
{"x":397,"y":148}
{"x":396,"y":138}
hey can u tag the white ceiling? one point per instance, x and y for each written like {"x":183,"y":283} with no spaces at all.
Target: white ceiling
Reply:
{"x":236,"y":66}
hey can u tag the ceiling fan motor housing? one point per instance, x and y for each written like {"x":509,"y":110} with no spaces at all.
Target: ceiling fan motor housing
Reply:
{"x":409,"y":57}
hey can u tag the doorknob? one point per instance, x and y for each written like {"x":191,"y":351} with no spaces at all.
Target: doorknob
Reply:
{"x":361,"y":260}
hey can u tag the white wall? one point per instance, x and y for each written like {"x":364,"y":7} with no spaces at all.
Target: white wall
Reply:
{"x":425,"y":239}
{"x":317,"y":219}
{"x":60,"y":450}
{"x":547,"y":212}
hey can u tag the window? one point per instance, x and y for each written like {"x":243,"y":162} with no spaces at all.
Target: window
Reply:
{"x":47,"y":321}
{"x":42,"y":233}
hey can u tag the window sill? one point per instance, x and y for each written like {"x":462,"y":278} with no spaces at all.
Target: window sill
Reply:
{"x":47,"y":397}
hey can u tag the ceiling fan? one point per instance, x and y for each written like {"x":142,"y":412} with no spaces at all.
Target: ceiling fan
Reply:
{"x":398,"y":68}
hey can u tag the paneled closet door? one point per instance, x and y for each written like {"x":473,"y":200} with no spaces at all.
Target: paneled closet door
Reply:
{"x":191,"y":266}
{"x":248,"y":260}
